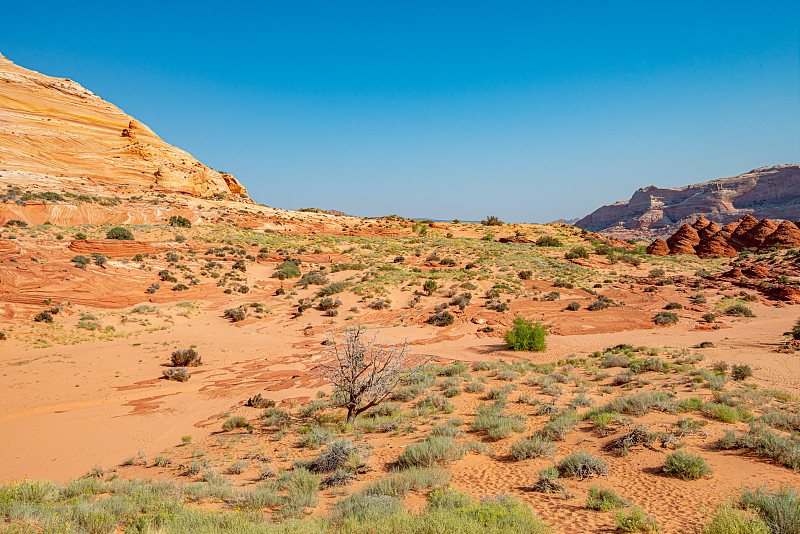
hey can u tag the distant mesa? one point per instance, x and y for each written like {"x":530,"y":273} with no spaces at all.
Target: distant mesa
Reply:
{"x":764,"y":193}
{"x":706,"y":239}
{"x":54,"y":127}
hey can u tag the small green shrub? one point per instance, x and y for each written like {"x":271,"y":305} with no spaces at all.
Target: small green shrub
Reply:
{"x":526,"y":335}
{"x":434,"y":451}
{"x":548,"y":241}
{"x":186,"y":358}
{"x":728,"y":520}
{"x":577,"y":252}
{"x":120,"y":233}
{"x":533,"y":447}
{"x":237,"y":421}
{"x":429,"y":286}
{"x":603,"y":499}
{"x":741,"y":372}
{"x":779,"y":509}
{"x":331,"y":289}
{"x":182,"y":222}
{"x":687,"y":466}
{"x":665,"y":318}
{"x":442,"y":318}
{"x":582,"y":465}
{"x":635,"y":520}
{"x":739,"y":310}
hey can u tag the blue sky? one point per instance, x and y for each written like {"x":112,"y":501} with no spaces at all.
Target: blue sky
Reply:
{"x":525,"y":110}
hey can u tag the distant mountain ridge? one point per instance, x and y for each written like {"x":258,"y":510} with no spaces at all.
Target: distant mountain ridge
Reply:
{"x":766,"y":192}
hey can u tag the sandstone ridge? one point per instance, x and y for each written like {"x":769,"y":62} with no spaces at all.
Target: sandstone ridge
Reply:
{"x":55,"y":127}
{"x":764,"y":193}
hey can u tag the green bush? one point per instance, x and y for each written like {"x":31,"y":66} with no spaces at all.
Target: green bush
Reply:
{"x":741,"y":372}
{"x":559,"y":427}
{"x":182,"y":222}
{"x":429,"y":286}
{"x":582,"y":465}
{"x":603,"y":499}
{"x":526,"y":335}
{"x":442,"y":318}
{"x":665,"y":318}
{"x":237,"y":421}
{"x":434,"y":451}
{"x":728,"y":520}
{"x":780,"y":510}
{"x":186,"y":358}
{"x":597,"y":305}
{"x":332,"y":289}
{"x":120,"y":233}
{"x":577,"y":252}
{"x":287,"y":269}
{"x":532,"y":447}
{"x":635,"y":520}
{"x":548,"y":241}
{"x":687,"y":466}
{"x":739,"y":310}
{"x":491,"y":220}
{"x":43,"y":317}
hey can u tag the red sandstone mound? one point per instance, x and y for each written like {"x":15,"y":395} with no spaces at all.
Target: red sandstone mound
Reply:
{"x":737,"y":239}
{"x":733,"y":273}
{"x":712,"y":242}
{"x":709,"y":231}
{"x":728,"y":229}
{"x":716,"y":247}
{"x":755,"y":237}
{"x":701,"y":223}
{"x":658,"y":247}
{"x":112,"y":248}
{"x":787,"y":235}
{"x":683,"y":241}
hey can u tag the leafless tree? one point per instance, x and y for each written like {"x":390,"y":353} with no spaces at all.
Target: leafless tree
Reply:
{"x":363,"y":372}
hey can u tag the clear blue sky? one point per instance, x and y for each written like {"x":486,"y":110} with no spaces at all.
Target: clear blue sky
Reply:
{"x":530,"y":111}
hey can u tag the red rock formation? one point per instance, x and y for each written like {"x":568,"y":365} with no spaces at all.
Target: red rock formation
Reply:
{"x":728,"y":229}
{"x":701,"y":223}
{"x":756,"y":271}
{"x":716,"y":247}
{"x":709,"y":231}
{"x":113,"y":248}
{"x":737,"y":239}
{"x":658,"y":247}
{"x":54,"y":126}
{"x":756,"y":236}
{"x":8,"y":249}
{"x":734,"y":273}
{"x":683,"y":241}
{"x":712,"y":242}
{"x":787,"y":235}
{"x":767,"y":192}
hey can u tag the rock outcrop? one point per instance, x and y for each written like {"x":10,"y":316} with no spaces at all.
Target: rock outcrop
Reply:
{"x":715,"y":242}
{"x":55,"y":127}
{"x":658,"y":247}
{"x":767,"y":192}
{"x":113,"y":248}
